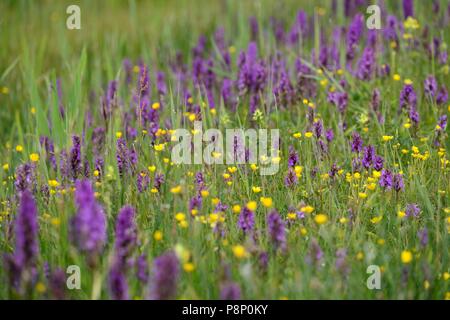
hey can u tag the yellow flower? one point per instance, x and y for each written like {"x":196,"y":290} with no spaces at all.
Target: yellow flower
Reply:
{"x":254,"y":167}
{"x":184,"y":224}
{"x":119,"y":134}
{"x":151,"y":168}
{"x":40,"y":287}
{"x":175,"y":190}
{"x":371,"y":186}
{"x":188,"y":267}
{"x":159,"y":147}
{"x":292,"y":215}
{"x":408,"y":82}
{"x":204,"y":193}
{"x":446,"y":276}
{"x":406,"y":256}
{"x":376,"y":219}
{"x":303,"y":231}
{"x":19,"y":148}
{"x":297,"y":135}
{"x":96,"y":173}
{"x":154,"y":190}
{"x":359,"y":255}
{"x":236,"y":208}
{"x":396,"y":77}
{"x":343,"y":220}
{"x":158,"y":235}
{"x":307,"y":209}
{"x":232,"y":169}
{"x":252,"y":205}
{"x":55,"y":221}
{"x":381,"y":242}
{"x":266,"y":202}
{"x":376,"y":174}
{"x":215,"y":201}
{"x":321,"y":218}
{"x":401,"y":214}
{"x":239,"y":251}
{"x":362,"y":195}
{"x":156,"y":106}
{"x":194,"y":212}
{"x":407,"y":125}
{"x":308,"y":134}
{"x":5,"y":90}
{"x":180,"y":216}
{"x":387,"y":138}
{"x":256,"y":189}
{"x":226,"y":175}
{"x":213,"y":111}
{"x":53,"y":183}
{"x":34,"y":157}
{"x":6,"y":167}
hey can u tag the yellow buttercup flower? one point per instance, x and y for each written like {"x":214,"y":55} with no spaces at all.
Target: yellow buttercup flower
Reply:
{"x":266,"y":202}
{"x":159,"y":147}
{"x":188,"y":267}
{"x":387,"y":138}
{"x":19,"y":148}
{"x":362,"y":195}
{"x":53,"y":183}
{"x":176,"y":190}
{"x":6,"y":167}
{"x":376,"y":219}
{"x":156,"y":105}
{"x":119,"y":134}
{"x":158,"y":235}
{"x":307,"y":209}
{"x":406,"y":256}
{"x":180,"y":216}
{"x":239,"y":251}
{"x":396,"y":77}
{"x":256,"y":189}
{"x":252,"y":205}
{"x":204,"y":193}
{"x":308,"y":134}
{"x":34,"y":157}
{"x":236,"y":208}
{"x":321,"y":218}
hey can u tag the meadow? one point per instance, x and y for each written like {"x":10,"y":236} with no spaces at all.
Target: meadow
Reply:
{"x":92,"y":205}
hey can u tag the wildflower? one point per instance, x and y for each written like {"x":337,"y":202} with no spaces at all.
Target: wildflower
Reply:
{"x":291,"y":178}
{"x":256,"y":189}
{"x":362,"y":195}
{"x":386,"y":179}
{"x":180,"y":216}
{"x":412,"y":210}
{"x":118,"y":286}
{"x":126,"y":236}
{"x":34,"y":157}
{"x":266,"y":202}
{"x":246,"y":220}
{"x":430,"y":86}
{"x":356,"y":142}
{"x":88,"y":226}
{"x":19,"y":148}
{"x":406,"y":256}
{"x":377,"y":219}
{"x":387,"y":138}
{"x":158,"y":235}
{"x":252,"y":205}
{"x":239,"y":251}
{"x":166,"y":271}
{"x":5,"y":167}
{"x":236,"y":208}
{"x":398,"y":182}
{"x":176,"y":190}
{"x":230,"y":291}
{"x":396,"y":77}
{"x":142,"y":273}
{"x":188,"y":267}
{"x":321,"y":219}
{"x":276,"y":230}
